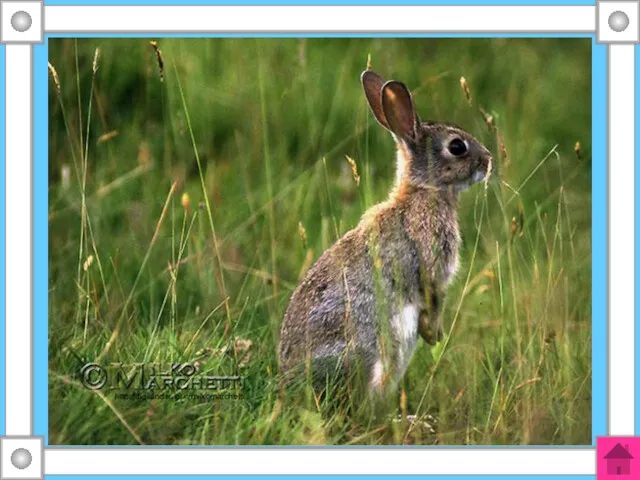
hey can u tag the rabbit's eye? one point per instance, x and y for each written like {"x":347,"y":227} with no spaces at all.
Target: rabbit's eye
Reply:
{"x":457,"y":147}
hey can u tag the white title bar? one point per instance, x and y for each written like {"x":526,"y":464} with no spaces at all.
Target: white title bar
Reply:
{"x":356,"y":19}
{"x":328,"y":461}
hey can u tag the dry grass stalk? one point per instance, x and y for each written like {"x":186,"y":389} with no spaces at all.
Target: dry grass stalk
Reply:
{"x":502,"y":148}
{"x":527,"y":382}
{"x":487,"y":177}
{"x":306,"y":264}
{"x":403,"y":403}
{"x":490,"y":123}
{"x":488,"y":119}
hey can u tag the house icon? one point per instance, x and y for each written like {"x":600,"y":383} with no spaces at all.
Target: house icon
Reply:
{"x":619,"y":460}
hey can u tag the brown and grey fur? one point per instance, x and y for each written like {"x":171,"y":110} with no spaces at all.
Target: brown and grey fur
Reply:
{"x":368,"y":298}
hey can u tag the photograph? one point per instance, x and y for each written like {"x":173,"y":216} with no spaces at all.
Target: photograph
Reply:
{"x":320,"y":241}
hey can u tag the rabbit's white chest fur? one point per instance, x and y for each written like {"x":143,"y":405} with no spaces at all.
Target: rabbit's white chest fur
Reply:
{"x":405,"y":323}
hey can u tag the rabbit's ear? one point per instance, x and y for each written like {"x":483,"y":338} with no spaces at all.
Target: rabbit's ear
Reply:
{"x":372,"y":84}
{"x":397,"y":107}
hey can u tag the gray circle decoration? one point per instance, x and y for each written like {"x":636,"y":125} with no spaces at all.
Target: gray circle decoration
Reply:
{"x":21,"y":21}
{"x":618,"y":21}
{"x":21,"y":458}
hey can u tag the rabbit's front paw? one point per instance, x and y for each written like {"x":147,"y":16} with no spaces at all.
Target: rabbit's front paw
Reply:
{"x":434,"y":336}
{"x":430,"y":331}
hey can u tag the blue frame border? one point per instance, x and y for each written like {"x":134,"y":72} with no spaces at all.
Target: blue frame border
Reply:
{"x":40,"y":240}
{"x":599,"y":247}
{"x":637,"y":247}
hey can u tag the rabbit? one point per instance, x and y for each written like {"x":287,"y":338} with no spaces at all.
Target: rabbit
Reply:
{"x":369,"y":297}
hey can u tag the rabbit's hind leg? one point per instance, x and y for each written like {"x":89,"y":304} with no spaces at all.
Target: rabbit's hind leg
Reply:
{"x":381,"y":381}
{"x":377,"y":378}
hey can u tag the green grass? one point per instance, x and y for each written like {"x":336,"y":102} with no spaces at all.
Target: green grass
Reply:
{"x":255,"y":132}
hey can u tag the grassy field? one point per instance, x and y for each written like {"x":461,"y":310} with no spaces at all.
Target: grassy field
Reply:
{"x":187,"y":200}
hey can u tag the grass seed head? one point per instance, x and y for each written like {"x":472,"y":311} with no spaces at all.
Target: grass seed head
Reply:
{"x":54,"y":75}
{"x":96,"y":59}
{"x":87,"y":263}
{"x":303,"y":234}
{"x":354,"y":169}
{"x":159,"y":59}
{"x":185,"y":201}
{"x":577,"y":150}
{"x":465,"y":89}
{"x":107,"y":136}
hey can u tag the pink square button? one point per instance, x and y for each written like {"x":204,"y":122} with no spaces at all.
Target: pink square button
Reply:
{"x":618,"y":458}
